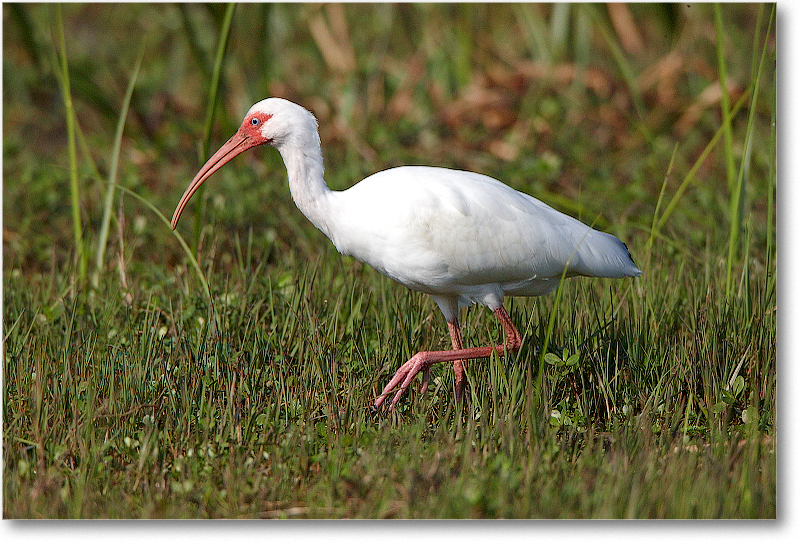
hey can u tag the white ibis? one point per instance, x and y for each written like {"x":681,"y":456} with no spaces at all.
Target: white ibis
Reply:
{"x":460,"y":237}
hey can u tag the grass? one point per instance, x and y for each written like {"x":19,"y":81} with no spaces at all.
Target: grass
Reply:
{"x":234,"y":379}
{"x":73,"y":161}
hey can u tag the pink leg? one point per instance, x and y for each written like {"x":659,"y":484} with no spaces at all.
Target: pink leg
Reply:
{"x":458,"y":365}
{"x":421,"y":361}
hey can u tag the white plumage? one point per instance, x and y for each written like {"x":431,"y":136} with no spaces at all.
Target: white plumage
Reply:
{"x":458,"y":236}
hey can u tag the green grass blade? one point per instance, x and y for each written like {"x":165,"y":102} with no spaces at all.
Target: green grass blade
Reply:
{"x":690,"y":176}
{"x":216,"y":75}
{"x":736,"y":195}
{"x":624,"y":66}
{"x":536,"y":31}
{"x":560,"y":29}
{"x":112,"y":176}
{"x":213,"y":92}
{"x":548,"y":334}
{"x":77,"y":227}
{"x":727,"y":115}
{"x":649,"y":246}
{"x":772,"y":174}
{"x":86,"y":153}
{"x":552,"y":320}
{"x":191,"y":38}
{"x":727,"y":148}
{"x":175,"y":233}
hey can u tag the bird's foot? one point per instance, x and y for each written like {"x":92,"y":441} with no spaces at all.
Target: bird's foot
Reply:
{"x":403,"y":377}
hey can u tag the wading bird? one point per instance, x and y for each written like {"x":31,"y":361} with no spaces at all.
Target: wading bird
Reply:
{"x":460,"y":237}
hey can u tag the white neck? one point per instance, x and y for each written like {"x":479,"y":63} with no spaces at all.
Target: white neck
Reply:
{"x":307,"y":186}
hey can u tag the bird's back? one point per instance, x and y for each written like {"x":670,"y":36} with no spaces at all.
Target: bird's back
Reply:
{"x":445,"y":231}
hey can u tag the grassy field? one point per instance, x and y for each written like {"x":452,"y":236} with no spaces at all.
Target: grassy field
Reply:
{"x":232,"y":377}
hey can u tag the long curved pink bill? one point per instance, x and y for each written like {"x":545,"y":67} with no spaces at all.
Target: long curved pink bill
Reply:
{"x":234,"y":146}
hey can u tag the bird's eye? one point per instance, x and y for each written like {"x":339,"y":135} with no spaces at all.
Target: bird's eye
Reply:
{"x":254,"y":121}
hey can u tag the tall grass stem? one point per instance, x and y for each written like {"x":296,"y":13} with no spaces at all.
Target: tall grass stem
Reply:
{"x":77,"y":227}
{"x":112,"y":175}
{"x":213,"y":92}
{"x":737,"y":194}
{"x":727,"y":116}
{"x":180,"y":239}
{"x":690,"y":176}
